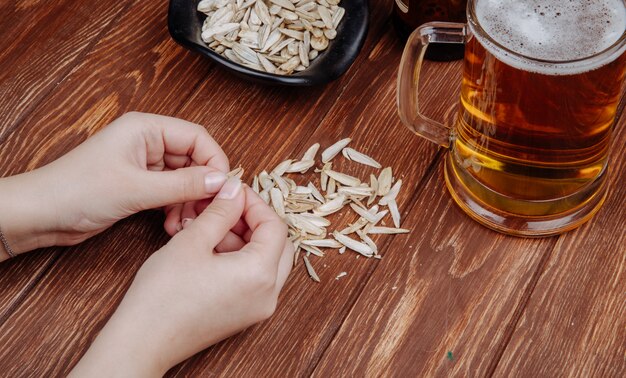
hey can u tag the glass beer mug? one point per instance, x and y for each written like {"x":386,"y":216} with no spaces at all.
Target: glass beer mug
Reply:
{"x":540,"y":93}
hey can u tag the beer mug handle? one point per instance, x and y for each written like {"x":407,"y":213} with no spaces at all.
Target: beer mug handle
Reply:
{"x":409,"y":75}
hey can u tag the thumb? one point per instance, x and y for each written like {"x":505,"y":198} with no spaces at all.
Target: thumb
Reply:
{"x":164,"y":188}
{"x":212,"y":225}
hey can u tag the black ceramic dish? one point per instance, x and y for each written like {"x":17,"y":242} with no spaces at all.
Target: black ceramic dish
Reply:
{"x":185,"y":26}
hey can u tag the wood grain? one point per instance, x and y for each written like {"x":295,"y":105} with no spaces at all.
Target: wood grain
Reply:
{"x":450,"y":298}
{"x":574,"y":323}
{"x":452,"y":287}
{"x":40,"y":42}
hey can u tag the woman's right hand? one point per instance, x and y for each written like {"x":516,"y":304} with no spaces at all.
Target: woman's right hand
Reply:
{"x":216,"y":277}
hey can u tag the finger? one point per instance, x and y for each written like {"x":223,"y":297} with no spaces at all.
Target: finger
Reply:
{"x":188,"y":212}
{"x":172,"y":222}
{"x":240,"y":228}
{"x":284,"y":266}
{"x":200,"y":205}
{"x":156,"y":189}
{"x":175,"y":136}
{"x":268,"y":231}
{"x":176,"y":161}
{"x":220,"y":216}
{"x":231,"y":243}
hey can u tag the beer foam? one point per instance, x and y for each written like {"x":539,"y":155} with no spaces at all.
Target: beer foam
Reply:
{"x":558,"y":31}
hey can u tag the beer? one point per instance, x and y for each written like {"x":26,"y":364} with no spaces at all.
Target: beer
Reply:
{"x":537,"y":108}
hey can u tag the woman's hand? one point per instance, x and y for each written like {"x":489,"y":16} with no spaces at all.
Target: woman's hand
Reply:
{"x":138,"y":162}
{"x":214,"y":278}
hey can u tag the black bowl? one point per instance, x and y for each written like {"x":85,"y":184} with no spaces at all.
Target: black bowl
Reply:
{"x":185,"y":26}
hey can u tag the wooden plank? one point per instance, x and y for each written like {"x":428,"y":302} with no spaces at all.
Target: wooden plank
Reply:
{"x":441,"y":302}
{"x":40,"y":42}
{"x":135,"y":67}
{"x":366,"y":112}
{"x":574,"y":322}
{"x":18,"y":277}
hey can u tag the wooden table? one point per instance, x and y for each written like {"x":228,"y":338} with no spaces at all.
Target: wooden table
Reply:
{"x":450,"y":298}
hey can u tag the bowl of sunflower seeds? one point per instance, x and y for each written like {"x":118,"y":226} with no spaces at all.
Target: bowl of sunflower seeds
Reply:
{"x":285,"y":42}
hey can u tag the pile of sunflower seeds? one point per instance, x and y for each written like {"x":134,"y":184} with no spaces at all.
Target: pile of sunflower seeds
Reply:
{"x":305,"y":209}
{"x":275,"y":36}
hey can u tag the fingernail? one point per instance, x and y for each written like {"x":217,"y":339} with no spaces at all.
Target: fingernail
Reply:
{"x":231,"y":188}
{"x":213,"y":181}
{"x":179,"y":227}
{"x":186,"y":222}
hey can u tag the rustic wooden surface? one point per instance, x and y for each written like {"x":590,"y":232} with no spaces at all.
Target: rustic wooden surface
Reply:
{"x":451,"y":298}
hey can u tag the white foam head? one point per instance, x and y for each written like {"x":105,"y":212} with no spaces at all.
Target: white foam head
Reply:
{"x":558,"y":31}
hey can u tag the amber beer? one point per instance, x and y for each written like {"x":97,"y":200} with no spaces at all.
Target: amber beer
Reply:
{"x":542,"y":83}
{"x":534,"y":135}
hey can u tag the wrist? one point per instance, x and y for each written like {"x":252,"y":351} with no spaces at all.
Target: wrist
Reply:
{"x":25,"y":216}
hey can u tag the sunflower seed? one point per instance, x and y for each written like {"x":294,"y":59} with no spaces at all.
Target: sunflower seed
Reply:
{"x":368,"y":241}
{"x":237,"y":172}
{"x":363,"y":213}
{"x":277,"y":201}
{"x":384,"y":181}
{"x":255,"y":184}
{"x":292,"y":33}
{"x":387,"y":230}
{"x":374,"y":186}
{"x":312,"y":250}
{"x":331,"y":187}
{"x":310,"y":270}
{"x":327,"y":18}
{"x":316,"y":193}
{"x":303,"y":53}
{"x":219,"y":29}
{"x":362,"y":222}
{"x":267,"y":65}
{"x":343,"y":178}
{"x":331,"y":206}
{"x":319,"y":43}
{"x":354,"y":155}
{"x":395,"y":214}
{"x":284,"y":4}
{"x":281,"y":183}
{"x":342,"y":274}
{"x":354,"y":245}
{"x":392,"y":194}
{"x":282,"y":167}
{"x":324,"y":243}
{"x":315,"y":219}
{"x":355,"y":191}
{"x":332,"y":151}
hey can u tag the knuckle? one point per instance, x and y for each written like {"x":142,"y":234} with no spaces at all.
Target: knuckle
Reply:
{"x":190,"y":186}
{"x":132,"y":116}
{"x":261,"y":278}
{"x":218,"y":211}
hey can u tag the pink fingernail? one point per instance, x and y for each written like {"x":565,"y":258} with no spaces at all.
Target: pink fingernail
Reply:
{"x":186,"y":222}
{"x":231,"y":188}
{"x":213,"y":181}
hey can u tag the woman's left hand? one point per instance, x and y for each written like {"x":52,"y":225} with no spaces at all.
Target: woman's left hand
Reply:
{"x":138,"y":162}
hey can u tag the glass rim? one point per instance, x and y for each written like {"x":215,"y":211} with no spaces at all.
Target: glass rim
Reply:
{"x":472,"y":21}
